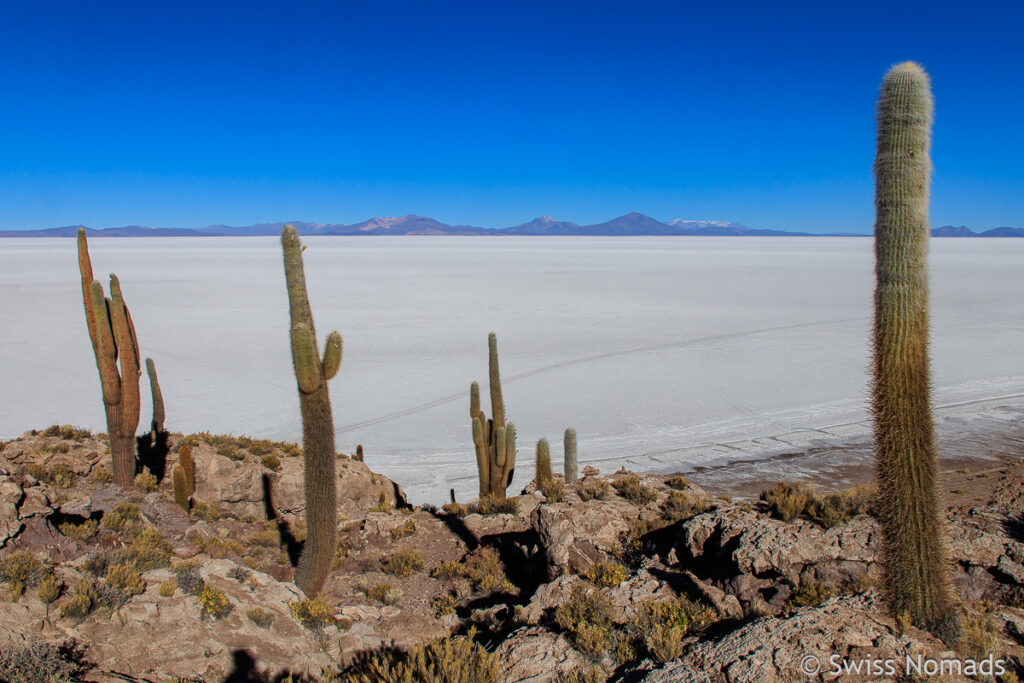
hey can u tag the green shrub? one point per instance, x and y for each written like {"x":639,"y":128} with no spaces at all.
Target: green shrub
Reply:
{"x":271,"y":461}
{"x":400,"y":532}
{"x":81,"y":601}
{"x":261,"y":617}
{"x":492,"y":505}
{"x":146,"y":482}
{"x":313,"y":613}
{"x":455,"y":659}
{"x":680,"y":506}
{"x":384,"y":593}
{"x":149,"y":550}
{"x":49,"y":589}
{"x":661,"y":626}
{"x":677,"y":482}
{"x":630,"y":487}
{"x":443,"y":604}
{"x":20,"y":569}
{"x":607,"y":574}
{"x":126,"y":577}
{"x":809,"y":594}
{"x":80,"y":532}
{"x":554,"y":491}
{"x":405,"y":562}
{"x":213,"y":603}
{"x":595,"y":489}
{"x":788,"y":500}
{"x":587,"y":617}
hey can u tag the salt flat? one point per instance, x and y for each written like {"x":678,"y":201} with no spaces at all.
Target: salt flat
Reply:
{"x":663,"y":353}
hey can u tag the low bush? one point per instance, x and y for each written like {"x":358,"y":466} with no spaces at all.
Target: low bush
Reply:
{"x":405,"y":562}
{"x":384,"y":593}
{"x":677,"y":482}
{"x":632,"y":489}
{"x":554,"y":491}
{"x":21,"y":568}
{"x":607,"y":574}
{"x":443,"y":604}
{"x":493,"y":505}
{"x":81,"y":601}
{"x":37,"y":661}
{"x":126,"y":577}
{"x":454,"y":659}
{"x":49,"y":589}
{"x":809,"y":594}
{"x":213,"y":603}
{"x":80,"y":532}
{"x":400,"y":532}
{"x":261,"y":617}
{"x":595,"y":489}
{"x":146,"y":482}
{"x":587,"y":617}
{"x":680,"y":506}
{"x":313,"y":613}
{"x":188,"y":577}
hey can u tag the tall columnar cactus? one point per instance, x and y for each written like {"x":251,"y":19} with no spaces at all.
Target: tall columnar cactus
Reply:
{"x":311,"y":374}
{"x":543,"y":476}
{"x":113,"y":339}
{"x":570,"y":456}
{"x":916,"y":575}
{"x":158,"y":397}
{"x":494,"y":439}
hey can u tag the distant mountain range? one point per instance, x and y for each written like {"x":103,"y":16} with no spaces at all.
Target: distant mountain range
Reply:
{"x":632,"y":224}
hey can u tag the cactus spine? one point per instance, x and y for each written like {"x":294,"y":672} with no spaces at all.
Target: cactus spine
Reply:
{"x":494,"y":439}
{"x":311,"y":375}
{"x":570,"y":456}
{"x":543,"y":475}
{"x":916,"y":576}
{"x":113,"y":339}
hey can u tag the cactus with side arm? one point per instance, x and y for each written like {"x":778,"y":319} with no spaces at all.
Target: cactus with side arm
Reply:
{"x":494,"y":439}
{"x":311,"y":374}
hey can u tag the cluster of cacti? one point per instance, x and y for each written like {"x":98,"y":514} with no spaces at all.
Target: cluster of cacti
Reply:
{"x":183,"y":476}
{"x":914,"y":559}
{"x":113,"y":339}
{"x":311,"y":374}
{"x":543,"y":476}
{"x":494,"y":439}
{"x":571,"y":473}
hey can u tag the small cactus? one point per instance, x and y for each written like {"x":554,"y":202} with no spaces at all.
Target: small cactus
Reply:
{"x":311,"y":375}
{"x":113,"y":340}
{"x":188,"y":466}
{"x":917,"y":576}
{"x":570,"y":456}
{"x":152,"y":447}
{"x":543,"y":476}
{"x":182,"y":495}
{"x":494,"y":439}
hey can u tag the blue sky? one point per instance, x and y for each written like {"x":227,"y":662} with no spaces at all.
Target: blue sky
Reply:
{"x":185,"y":114}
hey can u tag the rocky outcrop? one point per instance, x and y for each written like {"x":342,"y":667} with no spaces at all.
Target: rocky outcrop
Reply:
{"x":536,"y":655}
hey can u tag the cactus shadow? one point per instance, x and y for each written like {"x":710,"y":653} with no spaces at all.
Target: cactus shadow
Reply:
{"x":151,"y":451}
{"x":292,"y":546}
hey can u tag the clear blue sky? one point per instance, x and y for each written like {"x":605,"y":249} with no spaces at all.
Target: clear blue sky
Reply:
{"x":183,"y":114}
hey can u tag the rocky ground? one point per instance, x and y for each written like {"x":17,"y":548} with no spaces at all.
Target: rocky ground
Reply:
{"x":616,"y":577}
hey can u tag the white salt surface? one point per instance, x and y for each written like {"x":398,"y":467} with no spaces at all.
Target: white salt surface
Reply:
{"x":663,"y":353}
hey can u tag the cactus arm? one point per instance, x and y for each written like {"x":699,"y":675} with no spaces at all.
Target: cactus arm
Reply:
{"x":158,"y":396}
{"x":483,"y":463}
{"x":474,"y":399}
{"x":130,"y":399}
{"x":85,"y":268}
{"x":497,"y":400}
{"x":510,"y":455}
{"x":332,"y":355}
{"x":106,"y":357}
